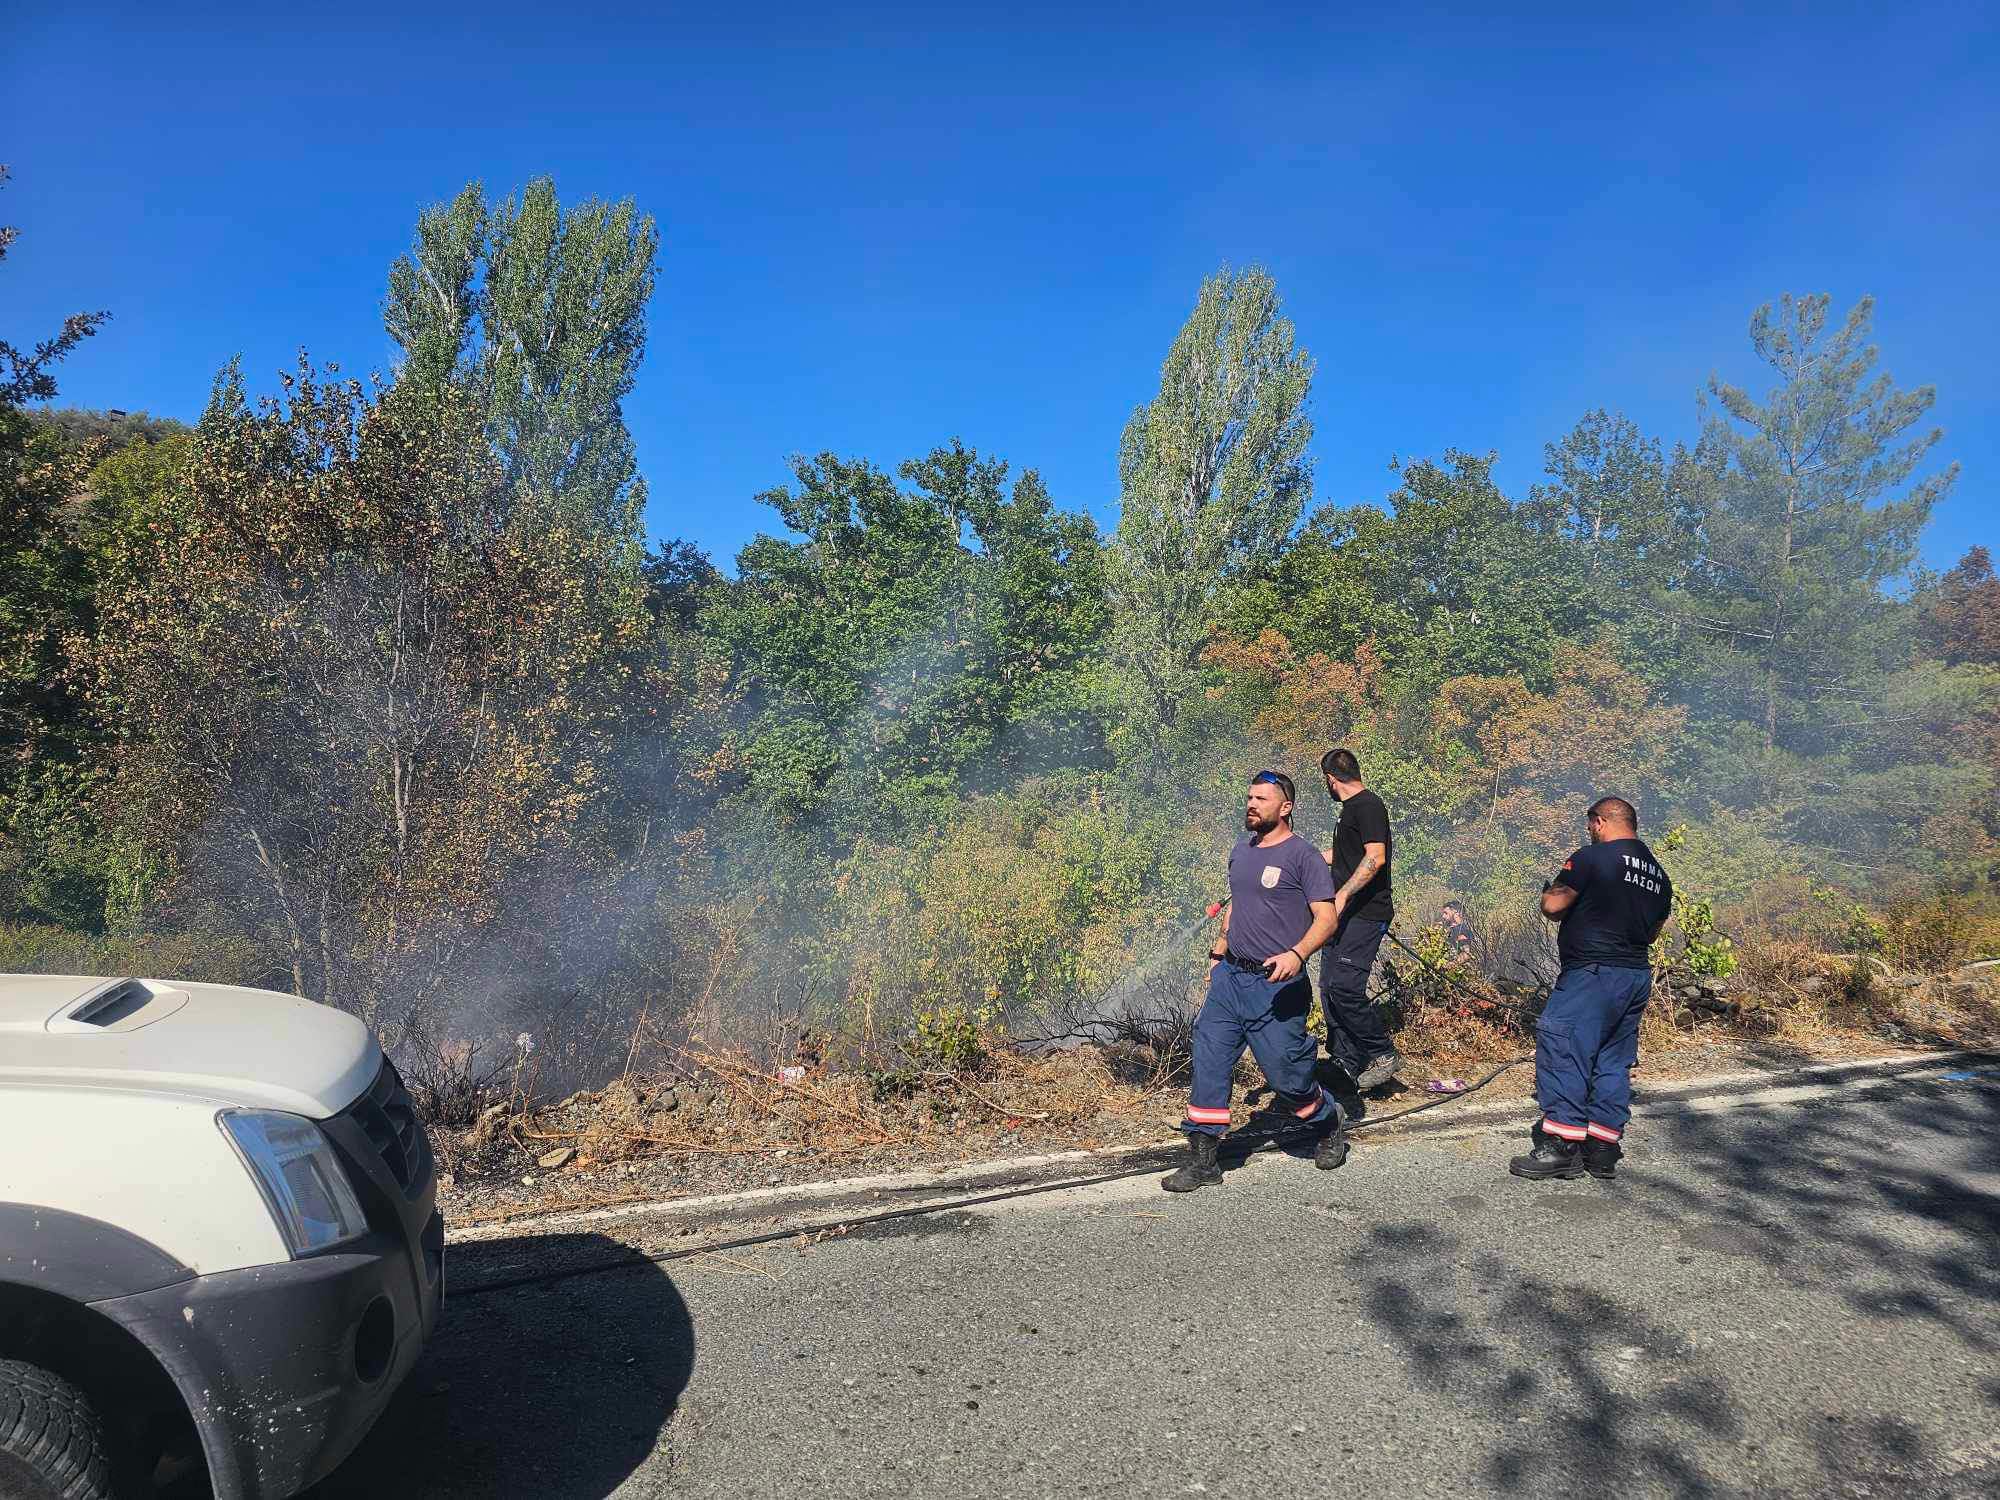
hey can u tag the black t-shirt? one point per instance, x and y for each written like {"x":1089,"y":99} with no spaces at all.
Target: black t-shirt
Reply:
{"x":1622,"y":897}
{"x":1363,"y":821}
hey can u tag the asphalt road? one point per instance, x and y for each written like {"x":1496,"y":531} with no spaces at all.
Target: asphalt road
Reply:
{"x":1799,"y":1298}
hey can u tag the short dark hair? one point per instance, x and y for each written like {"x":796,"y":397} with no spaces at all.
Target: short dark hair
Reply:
{"x":1616,"y":810}
{"x":1340,"y":763}
{"x":1279,"y":780}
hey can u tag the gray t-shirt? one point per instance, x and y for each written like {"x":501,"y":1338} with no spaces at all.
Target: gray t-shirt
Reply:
{"x":1270,"y":891}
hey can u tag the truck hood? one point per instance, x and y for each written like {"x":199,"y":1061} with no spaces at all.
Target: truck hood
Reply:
{"x":239,"y":1047}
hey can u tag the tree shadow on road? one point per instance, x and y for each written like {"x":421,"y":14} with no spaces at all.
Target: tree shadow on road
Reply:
{"x":558,"y":1390}
{"x":1585,"y":1391}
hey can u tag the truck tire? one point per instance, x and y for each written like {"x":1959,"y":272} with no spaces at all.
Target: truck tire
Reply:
{"x":52,"y":1442}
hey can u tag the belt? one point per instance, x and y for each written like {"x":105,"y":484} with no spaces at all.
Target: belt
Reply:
{"x":1247,"y":965}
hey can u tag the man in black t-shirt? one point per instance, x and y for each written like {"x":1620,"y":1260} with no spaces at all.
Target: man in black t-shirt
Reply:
{"x":1611,"y":898}
{"x":1356,"y":1036}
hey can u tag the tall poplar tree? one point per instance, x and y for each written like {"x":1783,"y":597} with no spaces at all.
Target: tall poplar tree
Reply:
{"x":1212,"y":476}
{"x":539,"y":313}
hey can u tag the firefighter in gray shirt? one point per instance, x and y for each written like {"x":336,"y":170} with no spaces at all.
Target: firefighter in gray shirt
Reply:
{"x":1280,"y":911}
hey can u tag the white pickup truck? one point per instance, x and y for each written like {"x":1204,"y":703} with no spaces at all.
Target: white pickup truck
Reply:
{"x":219,"y":1239}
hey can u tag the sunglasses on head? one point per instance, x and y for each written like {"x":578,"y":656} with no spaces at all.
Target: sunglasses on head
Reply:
{"x":1270,"y":776}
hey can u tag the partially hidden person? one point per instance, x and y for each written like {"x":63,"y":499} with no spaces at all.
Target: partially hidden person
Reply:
{"x":1610,"y":901}
{"x":1357,"y":1036}
{"x":1458,"y":936}
{"x":1281,"y":909}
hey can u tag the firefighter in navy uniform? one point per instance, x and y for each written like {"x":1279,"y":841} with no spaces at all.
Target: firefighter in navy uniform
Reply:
{"x":1280,"y":912}
{"x":1610,"y":899}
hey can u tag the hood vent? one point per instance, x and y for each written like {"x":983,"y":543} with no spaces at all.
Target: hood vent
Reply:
{"x":118,"y":1005}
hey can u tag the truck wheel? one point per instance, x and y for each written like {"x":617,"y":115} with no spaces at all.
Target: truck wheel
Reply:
{"x":52,"y":1442}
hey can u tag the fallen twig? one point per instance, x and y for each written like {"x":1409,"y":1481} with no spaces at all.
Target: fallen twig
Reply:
{"x":744,"y":1264}
{"x":740,"y":1070}
{"x":999,"y":1109}
{"x":674,"y":1147}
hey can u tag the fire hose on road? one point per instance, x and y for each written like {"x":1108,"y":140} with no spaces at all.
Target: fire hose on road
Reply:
{"x":1238,"y":1148}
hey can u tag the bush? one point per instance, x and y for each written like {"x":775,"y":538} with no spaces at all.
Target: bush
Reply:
{"x":448,"y":1081}
{"x":1705,"y":953}
{"x":198,"y":957}
{"x":1939,"y":931}
{"x":949,"y":1038}
{"x":1029,"y":906}
{"x":1845,"y":924}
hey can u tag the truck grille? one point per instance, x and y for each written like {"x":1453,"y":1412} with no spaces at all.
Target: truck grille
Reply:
{"x":389,"y":1120}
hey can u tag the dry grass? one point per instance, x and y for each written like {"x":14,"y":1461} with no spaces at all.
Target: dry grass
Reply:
{"x":724,"y":1104}
{"x":708,"y":1104}
{"x":1798,"y":995}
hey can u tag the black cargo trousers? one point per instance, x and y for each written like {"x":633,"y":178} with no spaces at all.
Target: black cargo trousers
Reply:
{"x":1355,"y":1030}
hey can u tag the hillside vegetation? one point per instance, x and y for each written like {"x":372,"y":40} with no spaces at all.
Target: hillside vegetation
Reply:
{"x":377,"y":691}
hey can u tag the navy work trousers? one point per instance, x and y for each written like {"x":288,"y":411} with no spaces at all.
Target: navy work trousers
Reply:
{"x":1245,"y":1008}
{"x":1355,"y":1030}
{"x":1585,"y":1044}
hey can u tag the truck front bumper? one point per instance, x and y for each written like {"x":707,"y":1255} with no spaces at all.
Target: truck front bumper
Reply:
{"x":285,"y":1367}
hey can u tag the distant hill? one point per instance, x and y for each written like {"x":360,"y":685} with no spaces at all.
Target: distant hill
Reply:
{"x":118,"y":429}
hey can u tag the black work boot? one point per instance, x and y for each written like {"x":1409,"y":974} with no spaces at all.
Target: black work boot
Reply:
{"x":1600,"y":1158}
{"x":1331,"y":1151}
{"x":1552,"y":1157}
{"x":1201,"y":1170}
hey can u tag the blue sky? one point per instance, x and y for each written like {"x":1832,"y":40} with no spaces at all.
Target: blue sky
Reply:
{"x":884,"y":226}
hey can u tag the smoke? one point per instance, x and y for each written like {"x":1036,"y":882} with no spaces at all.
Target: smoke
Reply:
{"x":1034,"y":850}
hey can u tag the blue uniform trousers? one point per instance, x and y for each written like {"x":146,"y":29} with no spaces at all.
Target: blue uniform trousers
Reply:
{"x":1245,"y":1008}
{"x":1585,"y":1044}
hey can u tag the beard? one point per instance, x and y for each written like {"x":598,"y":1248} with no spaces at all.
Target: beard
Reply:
{"x":1255,"y":823}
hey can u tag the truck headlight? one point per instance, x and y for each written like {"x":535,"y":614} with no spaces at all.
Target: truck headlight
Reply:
{"x":302,"y":1180}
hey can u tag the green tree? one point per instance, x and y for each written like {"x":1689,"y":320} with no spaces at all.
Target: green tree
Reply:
{"x":1213,"y":474}
{"x":919,"y":640}
{"x":1625,"y":522}
{"x":44,"y":593}
{"x":1629,"y":511}
{"x":1448,"y":579}
{"x":28,"y":374}
{"x":1819,"y":509}
{"x":1962,"y":614}
{"x":678,"y":576}
{"x":539,"y":312}
{"x":367,"y":688}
